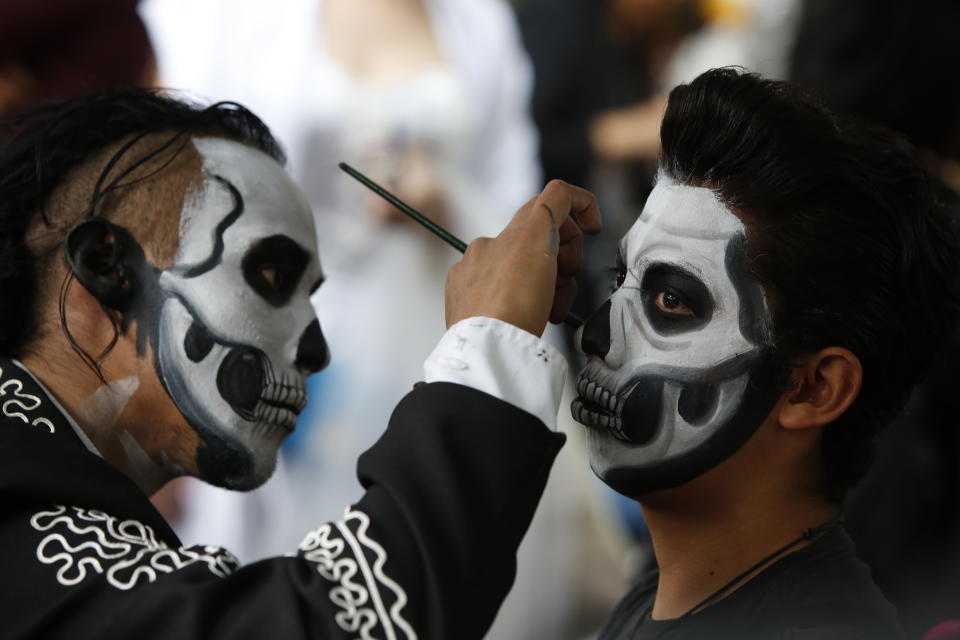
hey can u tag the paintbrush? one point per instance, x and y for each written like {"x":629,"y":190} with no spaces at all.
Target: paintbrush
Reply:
{"x":571,"y":320}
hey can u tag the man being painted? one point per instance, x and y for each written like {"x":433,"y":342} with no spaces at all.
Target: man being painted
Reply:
{"x":786,"y":284}
{"x":157,"y":264}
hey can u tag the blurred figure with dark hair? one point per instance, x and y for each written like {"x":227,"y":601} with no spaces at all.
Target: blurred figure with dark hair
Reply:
{"x":58,"y":49}
{"x":897,"y":66}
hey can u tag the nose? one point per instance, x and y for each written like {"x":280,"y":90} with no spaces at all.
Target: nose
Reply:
{"x":595,"y":338}
{"x":312,"y":352}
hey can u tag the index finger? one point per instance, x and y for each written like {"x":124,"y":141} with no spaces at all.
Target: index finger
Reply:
{"x":555,"y":204}
{"x":570,"y":202}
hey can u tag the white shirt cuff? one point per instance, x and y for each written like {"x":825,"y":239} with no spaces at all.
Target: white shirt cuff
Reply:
{"x":504,"y":361}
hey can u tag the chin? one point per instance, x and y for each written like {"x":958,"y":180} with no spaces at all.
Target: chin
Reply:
{"x":240,"y":464}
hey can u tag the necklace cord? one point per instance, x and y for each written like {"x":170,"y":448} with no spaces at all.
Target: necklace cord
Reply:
{"x":808,"y":534}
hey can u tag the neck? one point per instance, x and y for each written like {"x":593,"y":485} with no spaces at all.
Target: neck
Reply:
{"x":100,"y":409}
{"x":701,"y":549}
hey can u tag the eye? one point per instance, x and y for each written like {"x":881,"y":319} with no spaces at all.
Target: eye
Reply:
{"x":671,"y":303}
{"x":270,"y":273}
{"x":273,"y":268}
{"x":675,"y":300}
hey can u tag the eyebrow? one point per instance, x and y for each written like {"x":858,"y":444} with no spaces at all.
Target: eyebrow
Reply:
{"x":316,"y":285}
{"x":674,"y":269}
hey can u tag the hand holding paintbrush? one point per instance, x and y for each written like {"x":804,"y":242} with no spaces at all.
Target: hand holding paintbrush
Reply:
{"x":526,"y":274}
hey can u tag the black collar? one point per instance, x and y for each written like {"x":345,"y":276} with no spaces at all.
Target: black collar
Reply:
{"x":24,"y":403}
{"x":43,"y":460}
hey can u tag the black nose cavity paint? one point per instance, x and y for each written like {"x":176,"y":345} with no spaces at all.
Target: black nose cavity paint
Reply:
{"x":595,"y":339}
{"x":312,"y":352}
{"x":240,"y":379}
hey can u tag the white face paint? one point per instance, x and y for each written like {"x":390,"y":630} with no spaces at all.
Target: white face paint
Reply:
{"x":670,"y":392}
{"x":237,"y":335}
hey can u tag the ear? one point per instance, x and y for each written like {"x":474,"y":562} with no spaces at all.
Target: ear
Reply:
{"x":823,"y":388}
{"x":97,"y":252}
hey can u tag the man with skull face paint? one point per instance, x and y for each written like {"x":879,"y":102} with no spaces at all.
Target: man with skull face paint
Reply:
{"x":156,"y":265}
{"x":761,"y":329}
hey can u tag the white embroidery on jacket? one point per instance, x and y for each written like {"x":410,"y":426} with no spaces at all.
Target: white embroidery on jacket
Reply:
{"x":361,"y":603}
{"x":23,"y":401}
{"x":87,"y":542}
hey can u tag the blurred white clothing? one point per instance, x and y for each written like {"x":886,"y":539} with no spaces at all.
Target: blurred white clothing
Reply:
{"x":759,"y":38}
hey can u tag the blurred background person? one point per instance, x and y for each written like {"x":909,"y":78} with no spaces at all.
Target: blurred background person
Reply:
{"x":65,"y":48}
{"x":897,"y":65}
{"x":430,"y":98}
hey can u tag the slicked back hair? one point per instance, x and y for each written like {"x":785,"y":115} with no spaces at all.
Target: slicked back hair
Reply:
{"x":843,"y":233}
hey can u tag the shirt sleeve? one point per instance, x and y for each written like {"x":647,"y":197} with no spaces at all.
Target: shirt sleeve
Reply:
{"x":503,"y":361}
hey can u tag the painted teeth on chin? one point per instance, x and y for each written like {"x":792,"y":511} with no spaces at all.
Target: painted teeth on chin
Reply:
{"x":273,"y":416}
{"x":290,"y":394}
{"x":613,"y":425}
{"x":597,"y":394}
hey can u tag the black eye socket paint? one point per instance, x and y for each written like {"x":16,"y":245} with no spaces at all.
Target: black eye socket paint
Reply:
{"x":273,"y":268}
{"x":687,"y":288}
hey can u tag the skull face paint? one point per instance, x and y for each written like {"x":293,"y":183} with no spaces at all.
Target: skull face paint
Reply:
{"x":680,"y":375}
{"x":236,"y":333}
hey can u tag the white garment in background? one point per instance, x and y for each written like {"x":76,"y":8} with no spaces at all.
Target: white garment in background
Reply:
{"x":760,"y":42}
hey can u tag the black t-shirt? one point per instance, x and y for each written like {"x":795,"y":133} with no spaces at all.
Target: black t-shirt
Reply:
{"x":820,"y":592}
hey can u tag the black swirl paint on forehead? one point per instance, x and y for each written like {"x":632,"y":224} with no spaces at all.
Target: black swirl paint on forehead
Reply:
{"x":216,"y":254}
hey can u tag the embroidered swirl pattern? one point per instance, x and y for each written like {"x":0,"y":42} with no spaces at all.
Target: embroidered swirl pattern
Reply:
{"x":89,"y":542}
{"x":20,"y":403}
{"x":339,"y":554}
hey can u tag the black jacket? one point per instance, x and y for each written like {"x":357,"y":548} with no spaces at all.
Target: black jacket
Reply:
{"x":428,"y":551}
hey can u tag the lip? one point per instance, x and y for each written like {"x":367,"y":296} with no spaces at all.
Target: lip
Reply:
{"x":291,"y":397}
{"x":277,"y":416}
{"x":598,"y":407}
{"x":280,"y":404}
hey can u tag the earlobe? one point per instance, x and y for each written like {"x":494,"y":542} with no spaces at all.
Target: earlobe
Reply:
{"x":823,"y":388}
{"x":97,"y":252}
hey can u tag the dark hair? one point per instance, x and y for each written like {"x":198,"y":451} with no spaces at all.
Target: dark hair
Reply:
{"x":54,"y":139}
{"x":843,"y":233}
